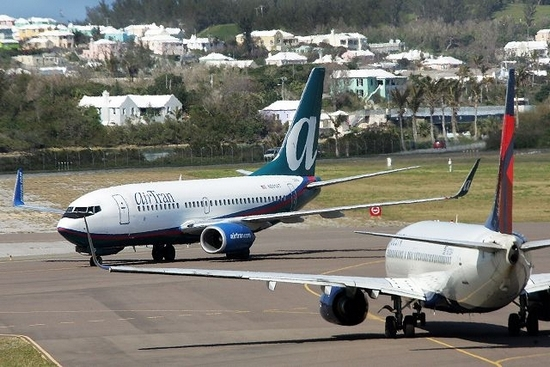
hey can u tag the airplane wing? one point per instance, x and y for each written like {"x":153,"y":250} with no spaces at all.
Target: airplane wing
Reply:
{"x":352,"y":178}
{"x":403,"y":287}
{"x":327,"y":212}
{"x":538,"y":283}
{"x":18,"y":201}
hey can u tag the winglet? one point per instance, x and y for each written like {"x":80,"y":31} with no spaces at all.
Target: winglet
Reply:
{"x":467,"y":182}
{"x":500,"y":219}
{"x":18,"y":190}
{"x":95,"y":259}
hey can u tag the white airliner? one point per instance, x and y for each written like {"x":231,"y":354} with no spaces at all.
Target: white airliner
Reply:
{"x":221,"y":214}
{"x":445,"y":266}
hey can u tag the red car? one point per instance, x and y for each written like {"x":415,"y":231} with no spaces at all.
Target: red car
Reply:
{"x":439,"y":144}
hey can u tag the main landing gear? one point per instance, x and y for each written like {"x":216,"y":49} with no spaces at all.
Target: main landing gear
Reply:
{"x":163,"y":253}
{"x":398,"y":322}
{"x":526,"y":317}
{"x":99,"y":260}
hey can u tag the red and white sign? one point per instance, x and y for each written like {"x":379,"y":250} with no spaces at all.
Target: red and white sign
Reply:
{"x":375,"y":211}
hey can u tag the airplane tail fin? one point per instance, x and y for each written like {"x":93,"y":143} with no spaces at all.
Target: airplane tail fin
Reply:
{"x":500,"y":219}
{"x":18,"y":190}
{"x":299,"y":150}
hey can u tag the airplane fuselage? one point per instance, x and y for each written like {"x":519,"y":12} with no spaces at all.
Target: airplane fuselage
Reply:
{"x":166,"y":212}
{"x":456,"y":279}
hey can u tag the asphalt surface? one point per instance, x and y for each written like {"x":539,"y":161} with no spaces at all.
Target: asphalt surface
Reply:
{"x":85,"y":316}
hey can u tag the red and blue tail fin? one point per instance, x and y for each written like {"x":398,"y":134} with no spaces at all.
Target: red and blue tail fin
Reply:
{"x":500,"y":219}
{"x":299,"y":150}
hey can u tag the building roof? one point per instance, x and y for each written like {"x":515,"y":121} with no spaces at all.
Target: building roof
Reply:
{"x":286,"y":56}
{"x":282,"y":106}
{"x":364,"y":73}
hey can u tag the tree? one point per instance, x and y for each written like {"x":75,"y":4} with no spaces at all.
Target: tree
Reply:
{"x":415,"y":100}
{"x":399,"y":100}
{"x":432,"y":98}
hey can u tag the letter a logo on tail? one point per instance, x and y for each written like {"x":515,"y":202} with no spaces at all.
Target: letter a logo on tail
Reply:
{"x":500,"y":218}
{"x":299,"y":150}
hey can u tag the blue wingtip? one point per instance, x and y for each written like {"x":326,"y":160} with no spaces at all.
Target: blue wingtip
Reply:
{"x":18,"y":190}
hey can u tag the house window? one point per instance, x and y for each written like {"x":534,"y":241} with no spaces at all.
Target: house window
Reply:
{"x":359,"y":82}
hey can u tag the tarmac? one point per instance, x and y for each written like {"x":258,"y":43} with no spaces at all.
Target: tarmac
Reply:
{"x":84,"y":316}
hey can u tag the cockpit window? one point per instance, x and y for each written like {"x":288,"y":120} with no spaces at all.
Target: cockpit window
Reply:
{"x":80,"y":211}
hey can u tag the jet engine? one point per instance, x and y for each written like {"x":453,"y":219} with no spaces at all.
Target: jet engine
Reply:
{"x":226,"y":238}
{"x":344,"y":306}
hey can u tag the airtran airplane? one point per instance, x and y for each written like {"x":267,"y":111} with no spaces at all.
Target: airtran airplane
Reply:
{"x":222,"y":214}
{"x":445,"y":266}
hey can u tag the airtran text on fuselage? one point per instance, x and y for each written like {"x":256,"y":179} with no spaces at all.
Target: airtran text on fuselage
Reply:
{"x":152,"y":197}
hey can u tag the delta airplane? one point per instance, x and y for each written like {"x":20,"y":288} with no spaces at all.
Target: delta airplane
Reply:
{"x":222,"y":214}
{"x":444,"y":266}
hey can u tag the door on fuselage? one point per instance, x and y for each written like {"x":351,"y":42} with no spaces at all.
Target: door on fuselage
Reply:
{"x":123,"y":211}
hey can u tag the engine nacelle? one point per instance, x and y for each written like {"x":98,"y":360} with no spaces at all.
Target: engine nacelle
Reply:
{"x":343,"y":306}
{"x":226,"y":238}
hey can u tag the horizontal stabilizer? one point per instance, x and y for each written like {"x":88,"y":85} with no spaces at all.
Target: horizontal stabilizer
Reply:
{"x":535,"y":245}
{"x":490,"y":247}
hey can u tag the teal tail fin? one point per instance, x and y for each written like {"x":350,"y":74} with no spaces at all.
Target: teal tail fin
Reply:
{"x":299,"y":150}
{"x":500,"y":219}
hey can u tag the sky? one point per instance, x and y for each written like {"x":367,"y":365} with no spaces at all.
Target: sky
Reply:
{"x":63,"y":11}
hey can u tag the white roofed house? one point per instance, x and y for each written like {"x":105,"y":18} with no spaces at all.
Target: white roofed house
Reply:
{"x":220,"y":60}
{"x":59,"y":38}
{"x":526,"y":49}
{"x":156,"y":108}
{"x":282,"y":111}
{"x":442,"y":63}
{"x":366,"y":83}
{"x":102,"y":50}
{"x":286,"y":58}
{"x":118,"y":110}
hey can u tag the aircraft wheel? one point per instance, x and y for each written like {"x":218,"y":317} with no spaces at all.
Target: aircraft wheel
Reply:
{"x":390,"y":330}
{"x":99,"y":260}
{"x":408,"y":326}
{"x":514,"y":324}
{"x":169,"y":253}
{"x":422,"y":318}
{"x":157,"y":253}
{"x":532,"y":324}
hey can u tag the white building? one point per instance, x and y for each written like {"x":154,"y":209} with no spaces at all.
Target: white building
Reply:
{"x":351,"y":41}
{"x":282,"y":111}
{"x":526,"y":48}
{"x":117,"y":110}
{"x":220,"y":60}
{"x":286,"y":58}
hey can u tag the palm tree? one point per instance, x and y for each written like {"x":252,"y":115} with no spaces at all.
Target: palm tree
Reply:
{"x":454,"y":96}
{"x":443,"y":92}
{"x":475,"y":89}
{"x":399,"y":100}
{"x":431,"y":98}
{"x":415,"y":101}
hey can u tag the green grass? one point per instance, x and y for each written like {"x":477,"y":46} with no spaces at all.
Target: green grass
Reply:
{"x":531,"y":203}
{"x":516,"y":12}
{"x":17,"y":352}
{"x":224,"y":32}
